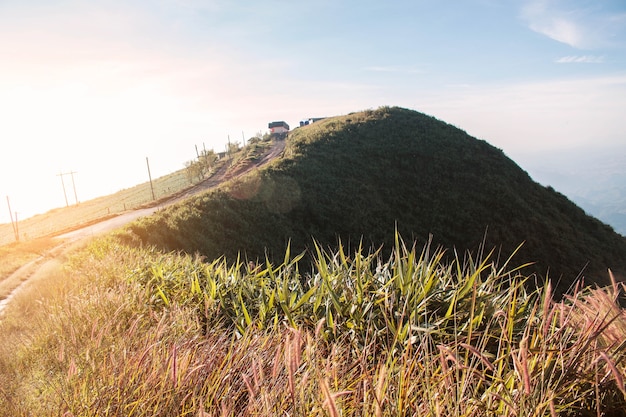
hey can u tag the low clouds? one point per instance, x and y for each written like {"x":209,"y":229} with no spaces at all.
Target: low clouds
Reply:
{"x":537,"y":116}
{"x":394,"y":69}
{"x":580,"y":59}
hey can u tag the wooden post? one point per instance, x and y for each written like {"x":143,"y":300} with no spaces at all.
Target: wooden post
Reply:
{"x":150,"y":176}
{"x":228,"y":151}
{"x":13,"y":223}
{"x":74,"y":186}
{"x":63,"y":185}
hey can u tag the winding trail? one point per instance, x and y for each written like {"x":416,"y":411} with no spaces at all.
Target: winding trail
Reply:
{"x":50,"y":261}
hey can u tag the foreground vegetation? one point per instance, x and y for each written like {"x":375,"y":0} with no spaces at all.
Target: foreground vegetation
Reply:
{"x":128,"y":331}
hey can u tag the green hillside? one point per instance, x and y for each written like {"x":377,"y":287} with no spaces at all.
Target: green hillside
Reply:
{"x":123,"y":328}
{"x":359,"y":177}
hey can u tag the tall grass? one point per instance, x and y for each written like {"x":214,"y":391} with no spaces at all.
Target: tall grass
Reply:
{"x":17,"y":255}
{"x":139,"y":332}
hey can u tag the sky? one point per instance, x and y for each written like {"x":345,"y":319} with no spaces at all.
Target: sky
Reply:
{"x":94,"y":88}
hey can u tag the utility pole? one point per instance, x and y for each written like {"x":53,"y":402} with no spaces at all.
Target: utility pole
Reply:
{"x":13,"y":223}
{"x":74,"y":186}
{"x":60,"y":174}
{"x":150,"y":176}
{"x":71,"y":173}
{"x":244,"y":140}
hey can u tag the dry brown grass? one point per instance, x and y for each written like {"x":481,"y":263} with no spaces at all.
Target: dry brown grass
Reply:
{"x":67,"y":218}
{"x":17,"y":255}
{"x":18,"y":260}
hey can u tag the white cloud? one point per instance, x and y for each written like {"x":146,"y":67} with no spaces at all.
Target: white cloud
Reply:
{"x":579,"y":27}
{"x":393,"y":69}
{"x":562,"y":30}
{"x":580,"y":59}
{"x":554,"y":23}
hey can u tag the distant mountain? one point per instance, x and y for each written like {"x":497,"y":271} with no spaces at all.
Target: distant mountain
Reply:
{"x":359,"y":177}
{"x":595,"y":179}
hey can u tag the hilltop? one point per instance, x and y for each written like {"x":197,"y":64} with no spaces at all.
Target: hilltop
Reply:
{"x":358,"y":178}
{"x":120,"y":327}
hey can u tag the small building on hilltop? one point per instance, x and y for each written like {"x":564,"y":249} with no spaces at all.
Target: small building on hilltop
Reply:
{"x":278,"y":127}
{"x":310,"y":120}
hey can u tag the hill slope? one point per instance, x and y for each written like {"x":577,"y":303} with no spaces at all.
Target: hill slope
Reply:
{"x":360,"y":176}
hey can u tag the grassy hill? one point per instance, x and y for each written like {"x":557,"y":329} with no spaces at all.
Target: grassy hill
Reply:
{"x":122,"y":329}
{"x":360,"y":176}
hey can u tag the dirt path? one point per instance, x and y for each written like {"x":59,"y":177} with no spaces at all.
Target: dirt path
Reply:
{"x":70,"y":240}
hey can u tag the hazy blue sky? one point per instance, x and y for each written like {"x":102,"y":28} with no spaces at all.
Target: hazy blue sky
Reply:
{"x":96,"y":87}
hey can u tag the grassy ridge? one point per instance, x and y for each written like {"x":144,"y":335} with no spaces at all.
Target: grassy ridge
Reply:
{"x":130,"y":329}
{"x":360,"y":177}
{"x":137,"y":332}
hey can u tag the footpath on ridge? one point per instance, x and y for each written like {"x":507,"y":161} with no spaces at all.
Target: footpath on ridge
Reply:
{"x":49,"y":262}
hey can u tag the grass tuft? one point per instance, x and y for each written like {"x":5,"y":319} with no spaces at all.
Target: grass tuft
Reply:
{"x":137,"y":332}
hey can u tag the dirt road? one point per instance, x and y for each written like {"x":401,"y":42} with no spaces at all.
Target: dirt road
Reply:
{"x":70,"y":240}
